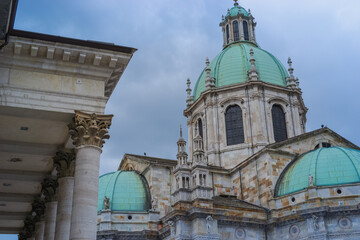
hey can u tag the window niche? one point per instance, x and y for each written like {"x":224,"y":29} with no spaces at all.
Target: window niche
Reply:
{"x":236,"y":30}
{"x":246,"y":30}
{"x":279,"y":123}
{"x":234,"y":125}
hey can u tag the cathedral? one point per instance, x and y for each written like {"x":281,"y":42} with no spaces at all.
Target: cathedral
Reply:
{"x":250,"y":169}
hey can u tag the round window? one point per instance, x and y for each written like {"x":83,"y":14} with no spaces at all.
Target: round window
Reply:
{"x":294,"y":231}
{"x":345,"y":223}
{"x":240,"y":233}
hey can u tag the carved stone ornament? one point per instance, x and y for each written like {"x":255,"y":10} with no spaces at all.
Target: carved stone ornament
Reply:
{"x":38,"y":207}
{"x":89,"y":129}
{"x":64,"y":163}
{"x":49,"y":186}
{"x":154,"y":204}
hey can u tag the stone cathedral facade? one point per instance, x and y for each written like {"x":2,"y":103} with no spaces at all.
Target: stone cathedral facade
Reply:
{"x":249,"y":170}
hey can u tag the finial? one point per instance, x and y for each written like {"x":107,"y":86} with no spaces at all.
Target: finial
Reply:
{"x":236,"y":3}
{"x":253,"y":73}
{"x":228,"y":11}
{"x":180,"y":131}
{"x":207,"y":62}
{"x":223,"y":18}
{"x":291,"y":69}
{"x":291,"y":82}
{"x":189,"y":99}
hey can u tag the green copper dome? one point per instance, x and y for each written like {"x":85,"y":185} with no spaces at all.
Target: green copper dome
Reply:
{"x":232,"y":65}
{"x":327,"y":166}
{"x":127,"y":191}
{"x":234,"y":11}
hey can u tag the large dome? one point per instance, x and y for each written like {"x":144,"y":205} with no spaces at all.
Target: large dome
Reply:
{"x":232,"y":65}
{"x":127,"y":190}
{"x":327,"y":166}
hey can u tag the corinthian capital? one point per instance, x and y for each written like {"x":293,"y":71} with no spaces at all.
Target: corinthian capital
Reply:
{"x":64,"y":161}
{"x":90,"y":129}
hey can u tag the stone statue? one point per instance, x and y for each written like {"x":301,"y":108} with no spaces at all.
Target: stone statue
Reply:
{"x":311,"y":180}
{"x":209,"y":222}
{"x":106,"y":203}
{"x":172,"y":228}
{"x":154,"y":204}
{"x":315,"y":223}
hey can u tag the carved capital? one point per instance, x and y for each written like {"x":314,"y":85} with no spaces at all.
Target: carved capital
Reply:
{"x":49,"y":186}
{"x":90,"y":129}
{"x":38,"y":207}
{"x":65,"y":163}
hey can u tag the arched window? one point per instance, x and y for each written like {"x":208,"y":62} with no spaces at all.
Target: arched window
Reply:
{"x":279,"y":123}
{"x":246,"y":30}
{"x":200,"y":127}
{"x":236,"y":30}
{"x":227,"y":33}
{"x":234,"y":125}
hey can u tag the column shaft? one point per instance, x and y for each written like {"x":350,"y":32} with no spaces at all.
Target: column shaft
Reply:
{"x":84,"y":209}
{"x":39,"y":230}
{"x":64,"y":207}
{"x":50,"y":220}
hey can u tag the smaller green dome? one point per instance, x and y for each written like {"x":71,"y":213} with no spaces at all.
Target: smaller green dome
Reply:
{"x":127,"y":191}
{"x":234,"y":11}
{"x":327,"y":166}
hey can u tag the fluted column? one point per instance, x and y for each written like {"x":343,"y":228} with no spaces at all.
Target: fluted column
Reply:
{"x":64,"y":162}
{"x":49,"y":187}
{"x":88,"y":132}
{"x":39,"y":230}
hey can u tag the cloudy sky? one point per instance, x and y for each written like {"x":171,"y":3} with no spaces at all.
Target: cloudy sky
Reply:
{"x":173,"y":39}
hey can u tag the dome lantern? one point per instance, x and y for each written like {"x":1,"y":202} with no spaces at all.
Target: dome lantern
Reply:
{"x":238,"y":25}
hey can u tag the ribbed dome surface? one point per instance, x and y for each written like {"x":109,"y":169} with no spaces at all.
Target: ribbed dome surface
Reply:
{"x":237,"y":10}
{"x":127,"y":190}
{"x":232,"y":64}
{"x":327,"y":166}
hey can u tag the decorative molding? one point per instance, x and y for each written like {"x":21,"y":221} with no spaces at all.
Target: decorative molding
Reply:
{"x":278,"y":100}
{"x":64,"y":163}
{"x":90,"y":129}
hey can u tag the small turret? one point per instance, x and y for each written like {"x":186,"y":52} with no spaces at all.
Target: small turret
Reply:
{"x":198,"y":154}
{"x":181,"y":155}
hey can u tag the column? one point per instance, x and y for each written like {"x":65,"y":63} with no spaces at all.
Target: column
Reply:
{"x":38,"y":207}
{"x":64,"y":162}
{"x":39,"y":230}
{"x":88,"y":132}
{"x":49,"y":187}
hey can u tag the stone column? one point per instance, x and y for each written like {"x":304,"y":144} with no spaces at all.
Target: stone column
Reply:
{"x":88,"y":132}
{"x":49,"y":187}
{"x":39,"y":230}
{"x":64,"y":162}
{"x":38,"y":207}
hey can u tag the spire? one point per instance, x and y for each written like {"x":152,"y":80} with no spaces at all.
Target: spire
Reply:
{"x":253,"y":73}
{"x":181,"y":155}
{"x":209,"y":81}
{"x":189,"y":99}
{"x":291,"y":82}
{"x":236,"y":3}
